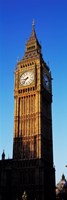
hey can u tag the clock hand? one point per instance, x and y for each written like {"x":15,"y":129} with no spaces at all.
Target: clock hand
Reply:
{"x":26,"y":78}
{"x":23,"y":80}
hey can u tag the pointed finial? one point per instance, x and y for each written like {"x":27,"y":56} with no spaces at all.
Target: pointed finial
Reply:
{"x":33,"y":24}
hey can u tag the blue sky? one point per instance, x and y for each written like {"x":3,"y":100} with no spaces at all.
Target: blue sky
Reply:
{"x":51,"y":28}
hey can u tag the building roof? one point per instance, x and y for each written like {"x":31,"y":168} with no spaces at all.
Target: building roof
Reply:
{"x":33,"y":37}
{"x":33,"y":47}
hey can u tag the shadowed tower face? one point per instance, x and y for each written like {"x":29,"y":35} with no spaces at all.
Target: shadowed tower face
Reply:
{"x":32,"y":105}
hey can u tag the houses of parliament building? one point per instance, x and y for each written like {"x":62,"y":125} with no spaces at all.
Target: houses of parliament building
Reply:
{"x":30,"y":174}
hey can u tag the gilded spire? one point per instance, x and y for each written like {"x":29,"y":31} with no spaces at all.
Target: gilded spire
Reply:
{"x":33,"y":29}
{"x":33,"y":25}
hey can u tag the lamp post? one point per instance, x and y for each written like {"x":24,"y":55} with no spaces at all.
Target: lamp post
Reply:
{"x":24,"y":196}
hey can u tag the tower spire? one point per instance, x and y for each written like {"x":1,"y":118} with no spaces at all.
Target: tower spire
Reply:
{"x":33,"y":25}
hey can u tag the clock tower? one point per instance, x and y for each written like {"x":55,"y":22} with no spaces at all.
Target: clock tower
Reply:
{"x":33,"y":118}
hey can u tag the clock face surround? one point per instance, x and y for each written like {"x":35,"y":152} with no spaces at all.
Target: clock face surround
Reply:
{"x":45,"y":80}
{"x":27,"y":78}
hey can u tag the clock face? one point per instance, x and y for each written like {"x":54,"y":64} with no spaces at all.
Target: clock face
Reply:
{"x":27,"y":78}
{"x":46,"y":80}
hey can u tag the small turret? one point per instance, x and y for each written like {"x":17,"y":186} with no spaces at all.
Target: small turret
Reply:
{"x":3,"y":155}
